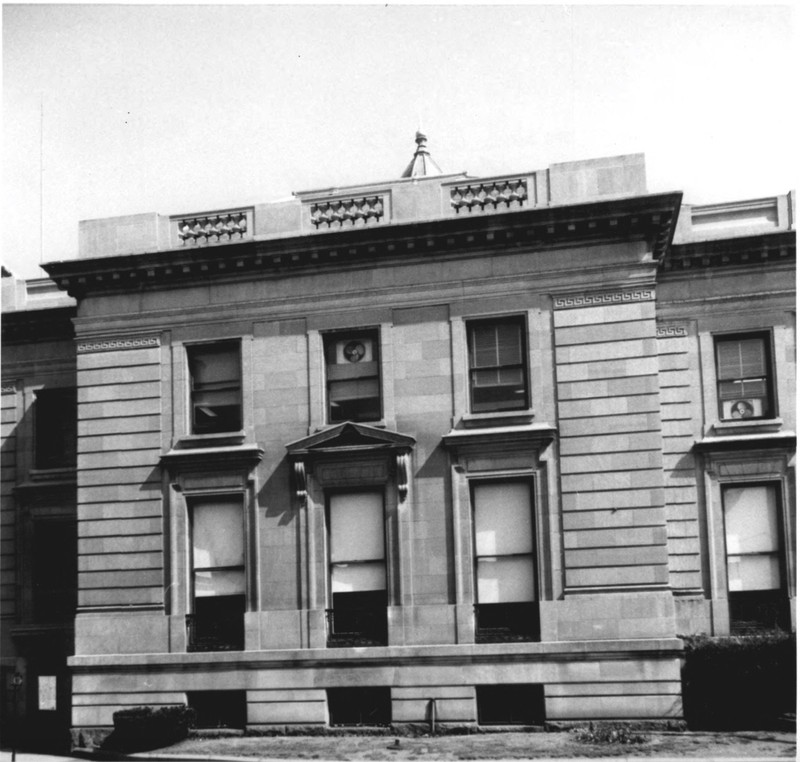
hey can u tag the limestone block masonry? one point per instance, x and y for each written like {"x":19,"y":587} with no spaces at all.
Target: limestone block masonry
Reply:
{"x":332,"y":459}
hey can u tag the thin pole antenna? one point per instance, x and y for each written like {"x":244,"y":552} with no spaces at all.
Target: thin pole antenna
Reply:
{"x":41,"y":178}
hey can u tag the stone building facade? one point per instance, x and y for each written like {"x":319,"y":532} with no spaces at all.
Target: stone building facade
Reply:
{"x":477,"y":448}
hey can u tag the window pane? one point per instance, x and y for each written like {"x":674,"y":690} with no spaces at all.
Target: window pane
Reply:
{"x":56,"y":414}
{"x":497,"y":373}
{"x":216,"y":388}
{"x":217,"y":534}
{"x":357,"y":527}
{"x":503,"y":522}
{"x":496,"y":344}
{"x":760,"y":572}
{"x":508,"y":344}
{"x":751,"y":520}
{"x":505,"y":580}
{"x":741,"y":358}
{"x":484,"y":346}
{"x":209,"y":584}
{"x":351,"y":578}
{"x":353,"y":377}
{"x":214,"y":365}
{"x":353,"y":390}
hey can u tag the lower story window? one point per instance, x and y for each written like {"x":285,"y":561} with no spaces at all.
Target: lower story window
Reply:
{"x":510,"y":704}
{"x":357,"y":570}
{"x":505,"y":574}
{"x":360,"y":706}
{"x":218,"y":581}
{"x":757,"y":597}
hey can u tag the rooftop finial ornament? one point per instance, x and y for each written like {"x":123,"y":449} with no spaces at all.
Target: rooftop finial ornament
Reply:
{"x":422,"y":165}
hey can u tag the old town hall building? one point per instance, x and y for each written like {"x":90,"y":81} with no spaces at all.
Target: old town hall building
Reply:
{"x":478,"y":447}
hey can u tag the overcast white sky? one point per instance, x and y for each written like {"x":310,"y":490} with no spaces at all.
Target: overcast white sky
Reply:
{"x":187,"y":108}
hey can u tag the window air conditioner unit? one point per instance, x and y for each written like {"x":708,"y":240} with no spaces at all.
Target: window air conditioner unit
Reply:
{"x":352,"y":351}
{"x":734,"y":410}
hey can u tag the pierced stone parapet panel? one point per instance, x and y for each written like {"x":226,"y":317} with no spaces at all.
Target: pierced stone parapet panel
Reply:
{"x":114,"y":345}
{"x":571,"y":301}
{"x":219,"y":227}
{"x":498,"y":194}
{"x":350,"y":212}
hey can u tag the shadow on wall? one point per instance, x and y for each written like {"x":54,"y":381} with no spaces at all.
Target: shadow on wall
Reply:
{"x":276,"y":497}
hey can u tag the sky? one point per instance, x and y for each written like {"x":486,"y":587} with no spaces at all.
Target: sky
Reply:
{"x":119,"y":109}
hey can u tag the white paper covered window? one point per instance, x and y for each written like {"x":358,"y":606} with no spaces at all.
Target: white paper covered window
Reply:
{"x":357,"y":547}
{"x":752,"y":538}
{"x":218,"y":548}
{"x":504,"y":543}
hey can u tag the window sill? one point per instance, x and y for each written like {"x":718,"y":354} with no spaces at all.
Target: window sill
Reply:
{"x":505,"y":418}
{"x":198,"y":441}
{"x":750,"y":426}
{"x":52,"y":474}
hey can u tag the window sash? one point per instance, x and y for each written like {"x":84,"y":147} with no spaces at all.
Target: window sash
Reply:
{"x":215,"y":379}
{"x":353,"y":388}
{"x":357,"y":531}
{"x":505,"y":579}
{"x":56,"y":428}
{"x":741,"y":358}
{"x":497,"y":368}
{"x":217,"y":534}
{"x":504,"y":539}
{"x":753,"y":538}
{"x":743,"y":373}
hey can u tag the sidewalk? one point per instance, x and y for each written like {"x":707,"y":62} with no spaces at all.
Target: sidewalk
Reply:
{"x":5,"y":756}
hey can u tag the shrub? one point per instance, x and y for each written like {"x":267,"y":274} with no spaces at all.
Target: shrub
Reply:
{"x":143,"y":727}
{"x":738,"y":682}
{"x":610,"y":733}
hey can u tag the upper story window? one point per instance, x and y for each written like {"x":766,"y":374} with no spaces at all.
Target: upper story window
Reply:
{"x":498,"y":377}
{"x":55,"y":441}
{"x":744,"y":377}
{"x":215,"y":373}
{"x":352,"y":365}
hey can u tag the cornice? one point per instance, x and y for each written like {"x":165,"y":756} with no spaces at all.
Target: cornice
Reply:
{"x":651,"y":218}
{"x":538,"y":435}
{"x":45,"y":324}
{"x":245,"y":456}
{"x":784,"y":440}
{"x":747,"y":251}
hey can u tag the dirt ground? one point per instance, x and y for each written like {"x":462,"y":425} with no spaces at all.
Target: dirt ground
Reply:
{"x":494,"y":746}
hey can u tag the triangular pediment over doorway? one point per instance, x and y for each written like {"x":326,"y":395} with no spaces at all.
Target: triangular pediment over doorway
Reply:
{"x":350,"y":437}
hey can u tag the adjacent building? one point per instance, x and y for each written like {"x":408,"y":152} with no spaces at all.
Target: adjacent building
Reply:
{"x":477,"y":449}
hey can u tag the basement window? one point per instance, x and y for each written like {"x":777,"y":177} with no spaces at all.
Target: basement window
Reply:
{"x":360,"y":706}
{"x":510,"y":704}
{"x":219,"y":709}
